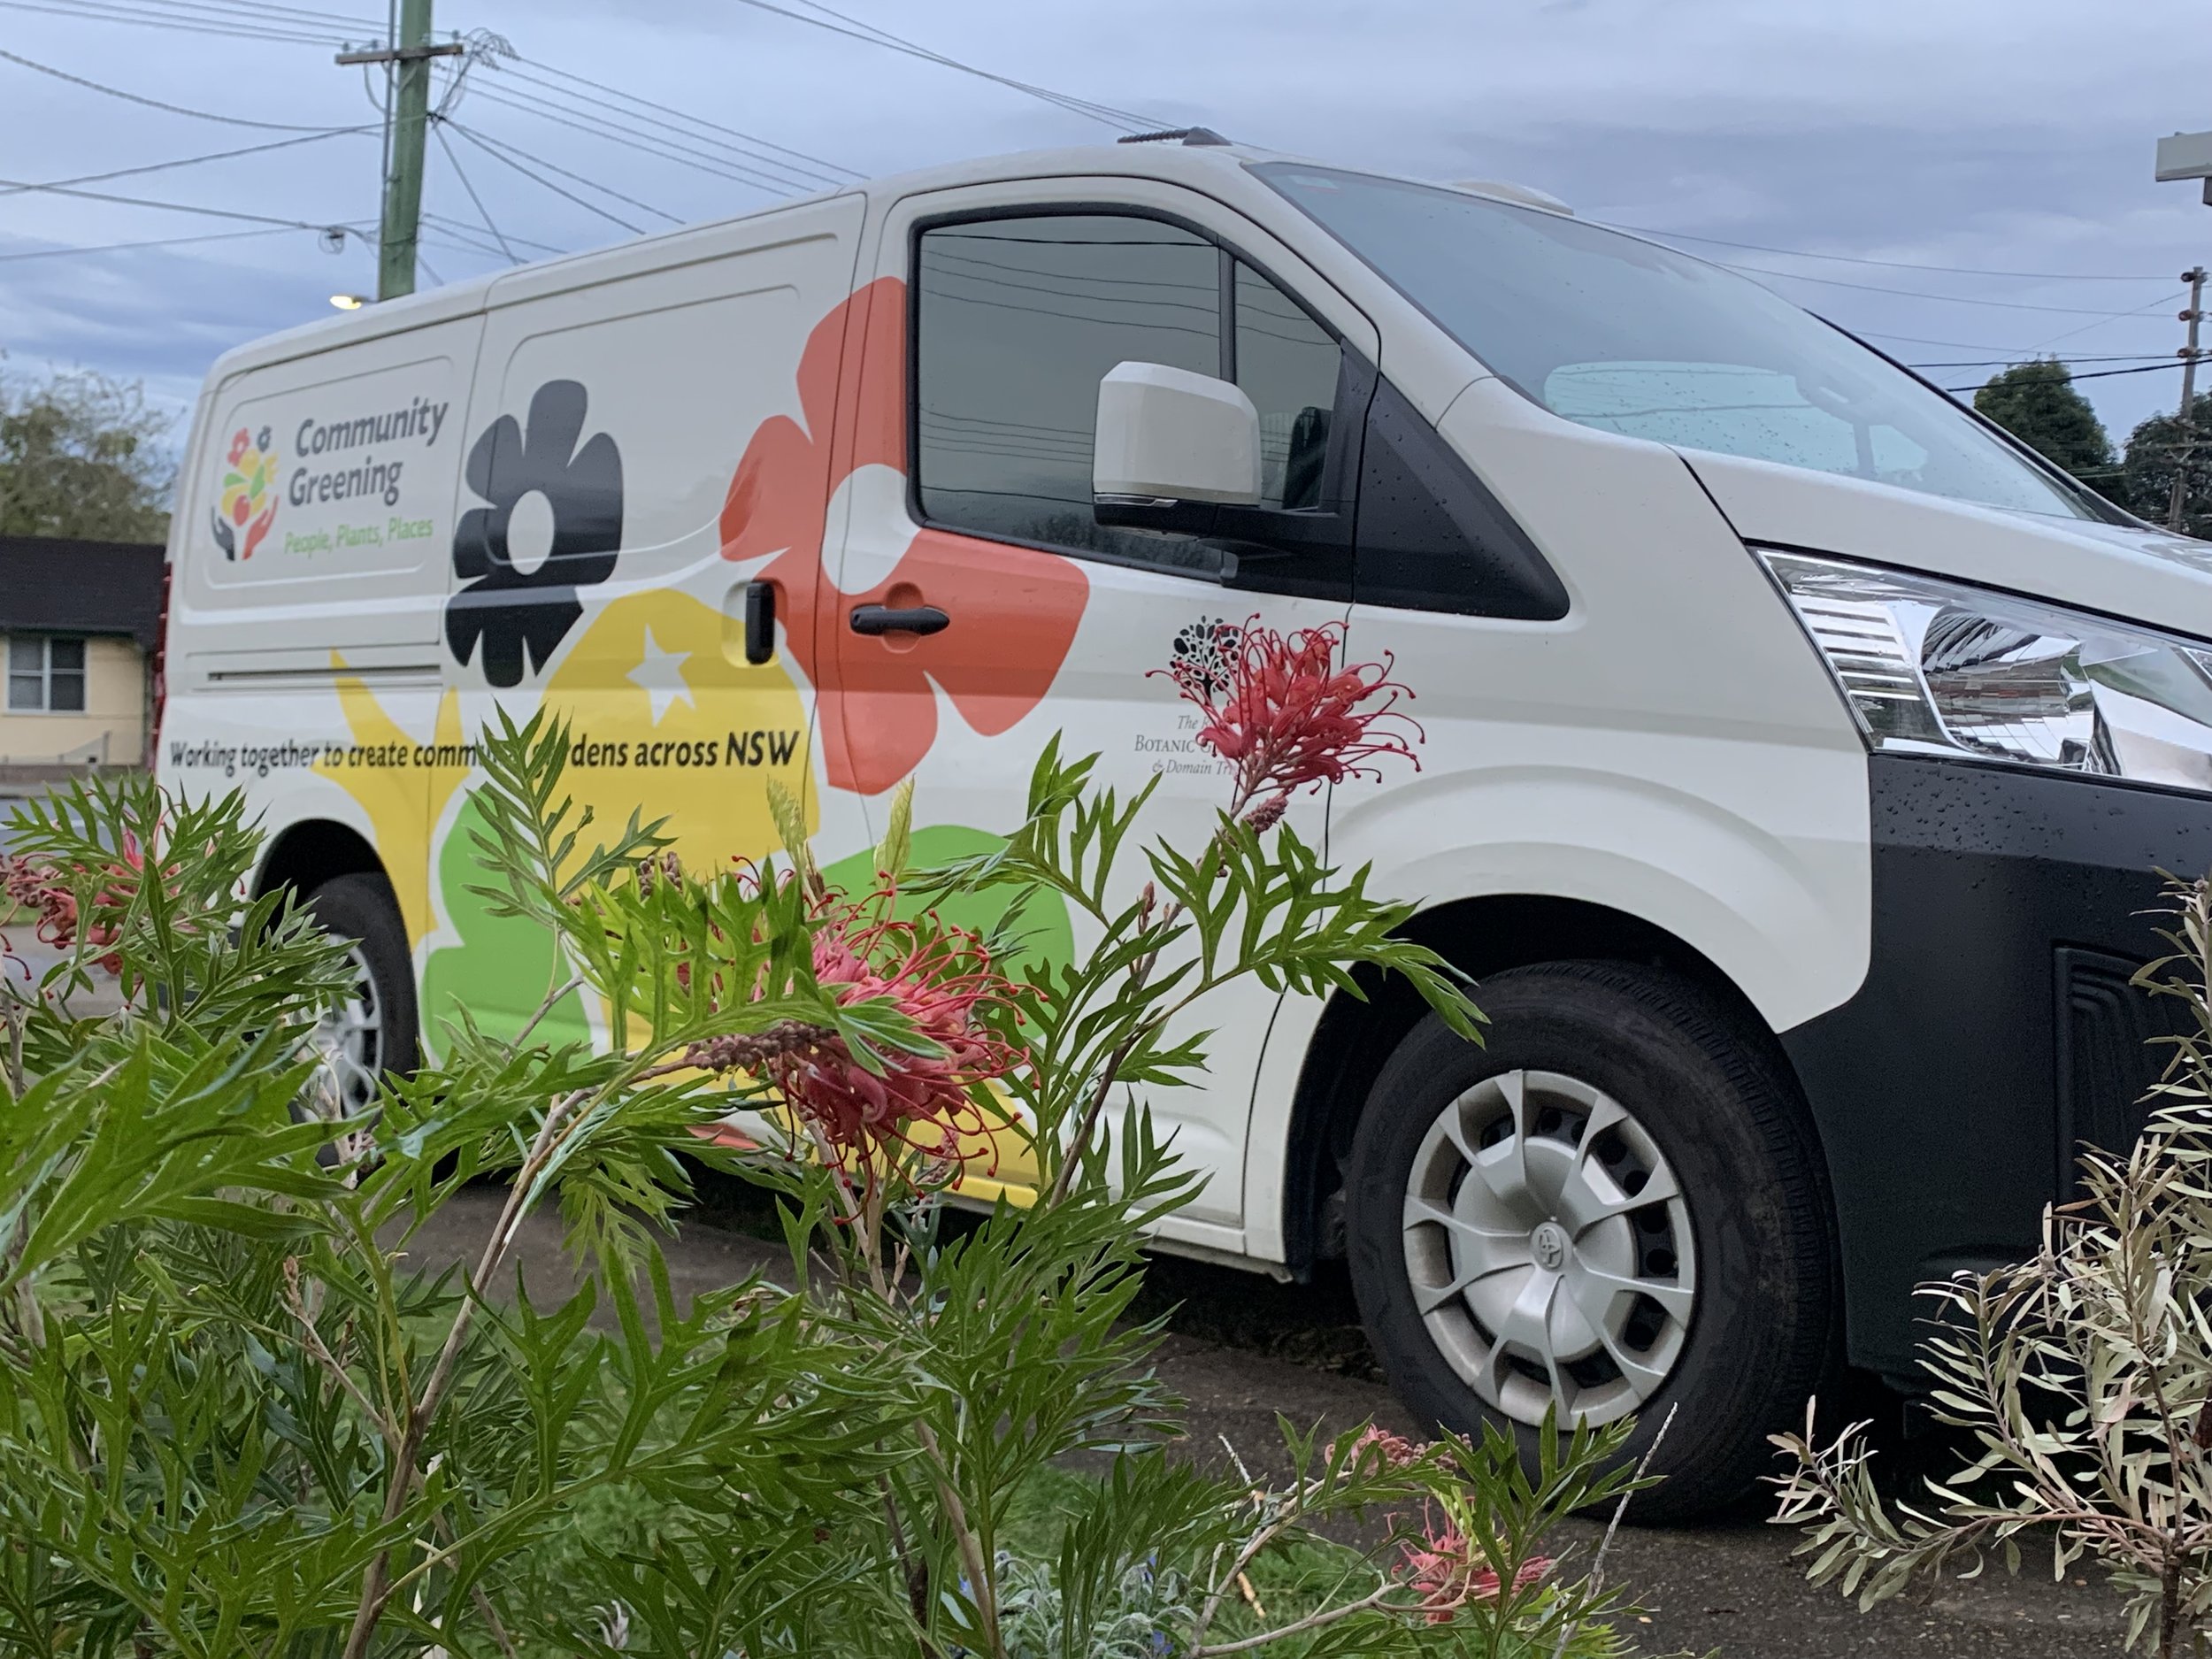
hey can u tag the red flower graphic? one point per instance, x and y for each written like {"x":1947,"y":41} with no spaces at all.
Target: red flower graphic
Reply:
{"x":852,"y":403}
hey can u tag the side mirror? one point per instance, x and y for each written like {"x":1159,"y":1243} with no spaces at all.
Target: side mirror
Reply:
{"x":1171,"y":439}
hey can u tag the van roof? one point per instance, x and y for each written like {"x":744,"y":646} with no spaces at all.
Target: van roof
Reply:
{"x":1198,"y":160}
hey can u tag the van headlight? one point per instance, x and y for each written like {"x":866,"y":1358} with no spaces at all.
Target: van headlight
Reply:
{"x":1936,"y":667}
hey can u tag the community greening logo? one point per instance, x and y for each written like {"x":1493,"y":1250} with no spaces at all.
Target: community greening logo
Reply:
{"x":250,"y":483}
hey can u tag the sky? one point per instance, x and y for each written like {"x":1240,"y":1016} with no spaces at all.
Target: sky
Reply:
{"x":2012,"y":142}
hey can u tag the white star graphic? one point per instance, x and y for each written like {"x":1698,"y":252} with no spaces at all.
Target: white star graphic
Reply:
{"x":661,"y":677}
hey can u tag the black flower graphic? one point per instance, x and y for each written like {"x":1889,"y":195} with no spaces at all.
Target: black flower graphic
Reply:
{"x":1207,"y":649}
{"x":516,"y":611}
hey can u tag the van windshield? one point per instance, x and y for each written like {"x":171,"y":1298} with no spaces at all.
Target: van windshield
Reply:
{"x":1625,"y":335}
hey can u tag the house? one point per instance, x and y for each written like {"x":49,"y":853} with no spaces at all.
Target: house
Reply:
{"x":80,"y":628}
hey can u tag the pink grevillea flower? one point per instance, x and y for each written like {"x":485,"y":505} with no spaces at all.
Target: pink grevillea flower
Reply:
{"x":1395,"y":1450}
{"x":39,"y":887}
{"x":938,"y":977}
{"x":1449,"y":1572}
{"x":1286,"y":716}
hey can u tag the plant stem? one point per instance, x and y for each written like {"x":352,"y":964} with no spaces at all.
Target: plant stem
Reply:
{"x":1072,"y":1153}
{"x":981,"y":1586}
{"x":1377,"y":1597}
{"x":376,"y":1582}
{"x":320,"y":1352}
{"x":1568,"y":1631}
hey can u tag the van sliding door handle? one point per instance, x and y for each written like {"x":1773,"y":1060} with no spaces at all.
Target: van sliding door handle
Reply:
{"x":760,"y":622}
{"x":912,"y":619}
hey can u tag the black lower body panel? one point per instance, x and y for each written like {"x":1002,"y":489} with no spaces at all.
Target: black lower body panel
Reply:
{"x":1996,"y":1029}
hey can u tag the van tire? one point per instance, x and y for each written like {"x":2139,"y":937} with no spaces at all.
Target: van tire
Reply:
{"x":362,"y":909}
{"x":1700,"y":1089}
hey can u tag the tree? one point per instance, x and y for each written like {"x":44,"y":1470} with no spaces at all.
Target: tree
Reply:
{"x":82,"y":455}
{"x":2038,"y":404}
{"x":2154,"y":449}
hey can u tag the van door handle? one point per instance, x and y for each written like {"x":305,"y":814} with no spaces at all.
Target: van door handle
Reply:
{"x":760,"y":622}
{"x":910,"y":619}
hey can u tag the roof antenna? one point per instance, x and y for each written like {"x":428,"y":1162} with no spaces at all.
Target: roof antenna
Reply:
{"x":1188,"y":134}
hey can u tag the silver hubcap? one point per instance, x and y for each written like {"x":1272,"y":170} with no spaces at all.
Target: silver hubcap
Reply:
{"x":1548,"y":1246}
{"x":348,"y":1039}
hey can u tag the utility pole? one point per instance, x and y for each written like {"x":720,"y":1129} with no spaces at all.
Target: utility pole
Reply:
{"x":406,"y":132}
{"x":2194,"y":278}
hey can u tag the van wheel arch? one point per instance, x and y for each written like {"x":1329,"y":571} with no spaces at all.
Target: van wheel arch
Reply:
{"x":1353,"y":1039}
{"x":333,"y":871}
{"x":307,"y":854}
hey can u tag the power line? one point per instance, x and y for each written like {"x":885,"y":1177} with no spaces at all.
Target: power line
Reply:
{"x":484,"y":140}
{"x":456,"y":226}
{"x":2015,"y":363}
{"x":156,"y":103}
{"x":1108,"y":112}
{"x":1892,"y":265}
{"x":174,"y":207}
{"x":1958,"y":345}
{"x":2095,"y":374}
{"x":2115,"y":317}
{"x":590,"y":207}
{"x":483,"y":212}
{"x":721,"y":166}
{"x":1920,"y":294}
{"x":158,"y":242}
{"x":307,"y":16}
{"x":834,"y":167}
{"x":1102,"y":112}
{"x":186,"y":161}
{"x":238,"y":14}
{"x":789,"y":175}
{"x":240,"y":30}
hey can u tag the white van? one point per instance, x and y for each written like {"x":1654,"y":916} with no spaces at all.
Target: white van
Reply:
{"x":1799,"y":748}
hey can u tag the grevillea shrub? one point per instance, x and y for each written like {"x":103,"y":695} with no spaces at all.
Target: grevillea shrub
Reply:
{"x":2083,"y":1376}
{"x":239,"y":1416}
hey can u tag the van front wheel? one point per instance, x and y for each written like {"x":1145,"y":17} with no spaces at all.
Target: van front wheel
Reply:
{"x":1614,"y":1208}
{"x":372,"y":1031}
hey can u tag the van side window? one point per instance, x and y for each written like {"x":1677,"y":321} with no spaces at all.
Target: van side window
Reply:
{"x":1286,"y":363}
{"x":1017,"y":320}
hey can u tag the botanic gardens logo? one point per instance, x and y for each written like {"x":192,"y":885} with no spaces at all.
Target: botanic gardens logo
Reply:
{"x":248,"y":504}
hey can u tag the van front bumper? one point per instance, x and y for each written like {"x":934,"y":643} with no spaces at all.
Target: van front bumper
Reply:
{"x":1996,"y":1029}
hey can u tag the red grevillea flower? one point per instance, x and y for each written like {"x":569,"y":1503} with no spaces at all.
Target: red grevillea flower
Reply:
{"x":938,"y":978}
{"x":1449,"y":1572}
{"x":1285,"y":715}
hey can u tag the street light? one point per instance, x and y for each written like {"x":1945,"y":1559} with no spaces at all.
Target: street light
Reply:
{"x":2186,"y":155}
{"x":348,"y":301}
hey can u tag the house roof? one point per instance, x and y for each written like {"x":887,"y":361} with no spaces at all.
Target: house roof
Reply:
{"x":49,"y":585}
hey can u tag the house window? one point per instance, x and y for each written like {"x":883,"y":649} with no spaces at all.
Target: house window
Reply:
{"x":45,"y":674}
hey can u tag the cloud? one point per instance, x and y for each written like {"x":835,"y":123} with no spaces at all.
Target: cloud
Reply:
{"x":2014,"y":135}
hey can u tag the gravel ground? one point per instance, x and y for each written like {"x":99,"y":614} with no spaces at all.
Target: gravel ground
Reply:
{"x":1243,"y":1349}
